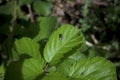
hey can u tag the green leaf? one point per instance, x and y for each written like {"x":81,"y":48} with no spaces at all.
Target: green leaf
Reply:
{"x":61,"y":41}
{"x":2,"y":71}
{"x":99,"y":52}
{"x":46,"y":25}
{"x":27,"y":46}
{"x":77,"y":56}
{"x":55,"y":76}
{"x":42,"y":8}
{"x":28,"y":69}
{"x":58,"y":76}
{"x":96,"y":68}
{"x":15,"y":56}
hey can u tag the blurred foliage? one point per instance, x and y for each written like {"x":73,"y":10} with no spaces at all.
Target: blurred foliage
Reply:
{"x":25,"y":18}
{"x":19,"y":18}
{"x":100,"y":24}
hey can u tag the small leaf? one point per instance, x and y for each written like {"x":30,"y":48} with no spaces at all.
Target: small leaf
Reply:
{"x":2,"y":71}
{"x":28,"y":69}
{"x":88,"y":69}
{"x":27,"y":46}
{"x":46,"y":25}
{"x":56,"y":47}
{"x":42,"y":8}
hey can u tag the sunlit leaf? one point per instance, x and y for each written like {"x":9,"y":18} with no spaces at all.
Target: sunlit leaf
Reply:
{"x":61,"y":41}
{"x":88,"y":69}
{"x":77,"y":56}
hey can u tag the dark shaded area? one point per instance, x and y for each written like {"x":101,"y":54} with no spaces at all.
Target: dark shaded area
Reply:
{"x":16,"y":68}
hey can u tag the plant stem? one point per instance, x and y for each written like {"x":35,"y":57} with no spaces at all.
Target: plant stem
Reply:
{"x":10,"y":35}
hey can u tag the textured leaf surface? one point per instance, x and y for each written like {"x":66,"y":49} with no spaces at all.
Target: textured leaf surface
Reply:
{"x":27,"y":46}
{"x":61,"y":41}
{"x":88,"y":69}
{"x":2,"y":71}
{"x":26,"y":70}
{"x":55,"y":76}
{"x":77,"y":56}
{"x":46,"y":25}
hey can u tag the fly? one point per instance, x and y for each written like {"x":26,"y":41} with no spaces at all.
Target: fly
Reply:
{"x":60,"y":36}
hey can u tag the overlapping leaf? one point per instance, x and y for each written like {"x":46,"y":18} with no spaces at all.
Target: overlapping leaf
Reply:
{"x":42,"y":7}
{"x":62,"y":41}
{"x":46,"y":25}
{"x":77,"y":56}
{"x":88,"y":69}
{"x":27,"y":46}
{"x":55,"y":76}
{"x":29,"y":69}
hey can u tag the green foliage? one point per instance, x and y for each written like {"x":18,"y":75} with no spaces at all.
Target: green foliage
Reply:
{"x":54,"y":76}
{"x":62,"y":41}
{"x":2,"y":71}
{"x":100,"y":24}
{"x":32,"y":47}
{"x":46,"y":25}
{"x":42,"y":8}
{"x":28,"y":69}
{"x":27,"y":46}
{"x":87,"y":69}
{"x":31,"y":65}
{"x":85,"y":13}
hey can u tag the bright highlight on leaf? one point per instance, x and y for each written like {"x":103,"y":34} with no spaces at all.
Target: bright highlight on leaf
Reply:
{"x":61,"y":41}
{"x":88,"y":69}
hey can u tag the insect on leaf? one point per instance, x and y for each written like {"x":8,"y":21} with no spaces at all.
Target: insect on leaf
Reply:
{"x":61,"y":41}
